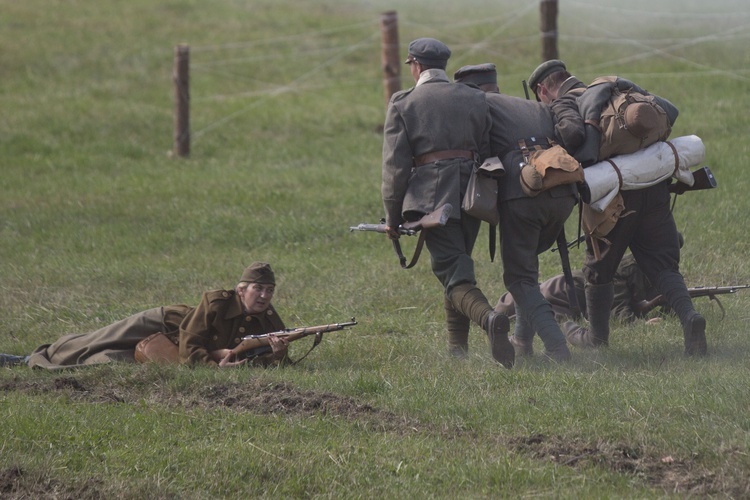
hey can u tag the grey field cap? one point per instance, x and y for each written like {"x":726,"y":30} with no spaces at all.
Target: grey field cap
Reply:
{"x":543,"y":71}
{"x":428,"y":51}
{"x":478,"y":74}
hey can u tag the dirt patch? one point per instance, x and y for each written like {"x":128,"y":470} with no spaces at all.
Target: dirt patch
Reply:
{"x":670,"y":474}
{"x":252,"y":396}
{"x":684,"y":477}
{"x":15,"y":483}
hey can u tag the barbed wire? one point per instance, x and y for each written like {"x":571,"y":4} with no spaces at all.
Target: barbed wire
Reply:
{"x":462,"y":51}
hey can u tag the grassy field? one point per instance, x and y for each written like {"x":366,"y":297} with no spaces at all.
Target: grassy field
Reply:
{"x":98,"y":220}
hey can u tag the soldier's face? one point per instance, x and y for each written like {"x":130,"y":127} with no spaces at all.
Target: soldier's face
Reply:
{"x":257,"y":297}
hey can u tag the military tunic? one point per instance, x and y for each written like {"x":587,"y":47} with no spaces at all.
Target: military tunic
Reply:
{"x":435,"y":115}
{"x":219,"y":322}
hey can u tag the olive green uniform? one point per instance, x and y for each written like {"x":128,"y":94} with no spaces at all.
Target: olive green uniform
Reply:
{"x":218,"y":322}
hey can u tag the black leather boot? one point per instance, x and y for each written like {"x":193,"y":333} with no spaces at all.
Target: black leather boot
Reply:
{"x":523,"y":335}
{"x":469,"y":300}
{"x":671,"y":284}
{"x":599,"y":300}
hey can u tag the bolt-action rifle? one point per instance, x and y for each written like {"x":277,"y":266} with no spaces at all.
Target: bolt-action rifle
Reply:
{"x":251,"y":342}
{"x":711,"y":292}
{"x":434,"y":219}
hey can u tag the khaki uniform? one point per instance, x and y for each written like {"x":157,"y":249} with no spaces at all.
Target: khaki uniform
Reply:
{"x":217,"y":323}
{"x":114,"y":342}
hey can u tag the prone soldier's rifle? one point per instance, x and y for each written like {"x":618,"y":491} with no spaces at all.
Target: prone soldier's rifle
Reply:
{"x":434,"y":219}
{"x":251,"y":342}
{"x":711,"y":292}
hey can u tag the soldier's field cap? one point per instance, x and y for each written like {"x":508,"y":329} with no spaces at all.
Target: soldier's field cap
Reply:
{"x":478,"y":74}
{"x":428,"y":51}
{"x":259,"y":272}
{"x":543,"y":71}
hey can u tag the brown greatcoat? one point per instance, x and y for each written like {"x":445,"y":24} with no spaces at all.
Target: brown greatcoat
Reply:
{"x":217,"y":323}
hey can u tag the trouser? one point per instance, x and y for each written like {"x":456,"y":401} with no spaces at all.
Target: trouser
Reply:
{"x":528,"y":227}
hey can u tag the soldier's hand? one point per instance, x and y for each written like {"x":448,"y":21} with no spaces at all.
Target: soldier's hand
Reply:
{"x":279,"y":346}
{"x":392,"y":233}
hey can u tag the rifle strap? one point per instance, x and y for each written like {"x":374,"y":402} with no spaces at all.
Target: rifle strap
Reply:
{"x":417,"y":252}
{"x":493,"y":242}
{"x":318,"y":338}
{"x":570,"y":289}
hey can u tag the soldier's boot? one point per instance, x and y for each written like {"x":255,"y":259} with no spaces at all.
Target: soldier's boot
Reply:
{"x":599,"y":299}
{"x":469,"y":300}
{"x":458,"y":331}
{"x":523,"y":335}
{"x":672,"y":285}
{"x":540,"y":316}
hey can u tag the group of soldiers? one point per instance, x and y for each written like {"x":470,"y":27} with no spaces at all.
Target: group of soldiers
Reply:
{"x":434,"y":135}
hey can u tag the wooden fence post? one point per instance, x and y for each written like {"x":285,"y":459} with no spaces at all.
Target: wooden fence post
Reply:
{"x":390,"y":59}
{"x":181,"y":101}
{"x":548,"y":17}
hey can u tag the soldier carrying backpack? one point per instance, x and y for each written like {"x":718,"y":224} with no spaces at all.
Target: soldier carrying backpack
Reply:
{"x":649,"y":229}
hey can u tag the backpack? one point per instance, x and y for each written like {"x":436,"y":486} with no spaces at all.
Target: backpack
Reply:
{"x":630,"y":121}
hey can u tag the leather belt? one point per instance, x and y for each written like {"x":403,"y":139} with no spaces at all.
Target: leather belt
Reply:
{"x":446,"y":154}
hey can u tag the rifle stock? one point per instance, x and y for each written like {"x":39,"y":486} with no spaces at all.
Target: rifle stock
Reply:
{"x":434,"y":219}
{"x":437,"y":218}
{"x":645,"y":306}
{"x":252,"y":341}
{"x":703,"y":179}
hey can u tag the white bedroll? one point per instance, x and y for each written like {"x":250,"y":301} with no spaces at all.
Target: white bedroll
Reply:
{"x":644,"y":168}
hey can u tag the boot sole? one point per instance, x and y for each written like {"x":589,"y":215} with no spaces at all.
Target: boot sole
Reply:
{"x":695,"y":337}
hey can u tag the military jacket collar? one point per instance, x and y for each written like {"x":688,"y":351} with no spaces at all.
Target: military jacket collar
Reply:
{"x":432,"y":75}
{"x":570,"y":83}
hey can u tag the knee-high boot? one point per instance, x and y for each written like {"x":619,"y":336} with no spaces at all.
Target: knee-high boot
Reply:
{"x":542,"y":320}
{"x":523,"y":335}
{"x":672,"y":285}
{"x":469,"y":300}
{"x":599,"y":299}
{"x":458,"y":331}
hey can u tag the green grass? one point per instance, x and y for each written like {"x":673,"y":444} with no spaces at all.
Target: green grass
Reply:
{"x":98,"y":220}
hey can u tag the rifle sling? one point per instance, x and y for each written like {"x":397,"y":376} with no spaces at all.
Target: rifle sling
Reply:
{"x":570,"y":289}
{"x":318,"y":338}
{"x":415,"y":257}
{"x":493,"y":242}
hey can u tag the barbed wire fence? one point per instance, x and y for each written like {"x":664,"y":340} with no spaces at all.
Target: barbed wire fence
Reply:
{"x":315,"y":53}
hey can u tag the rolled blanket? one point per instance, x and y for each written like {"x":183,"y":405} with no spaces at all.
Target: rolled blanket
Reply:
{"x":644,"y":168}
